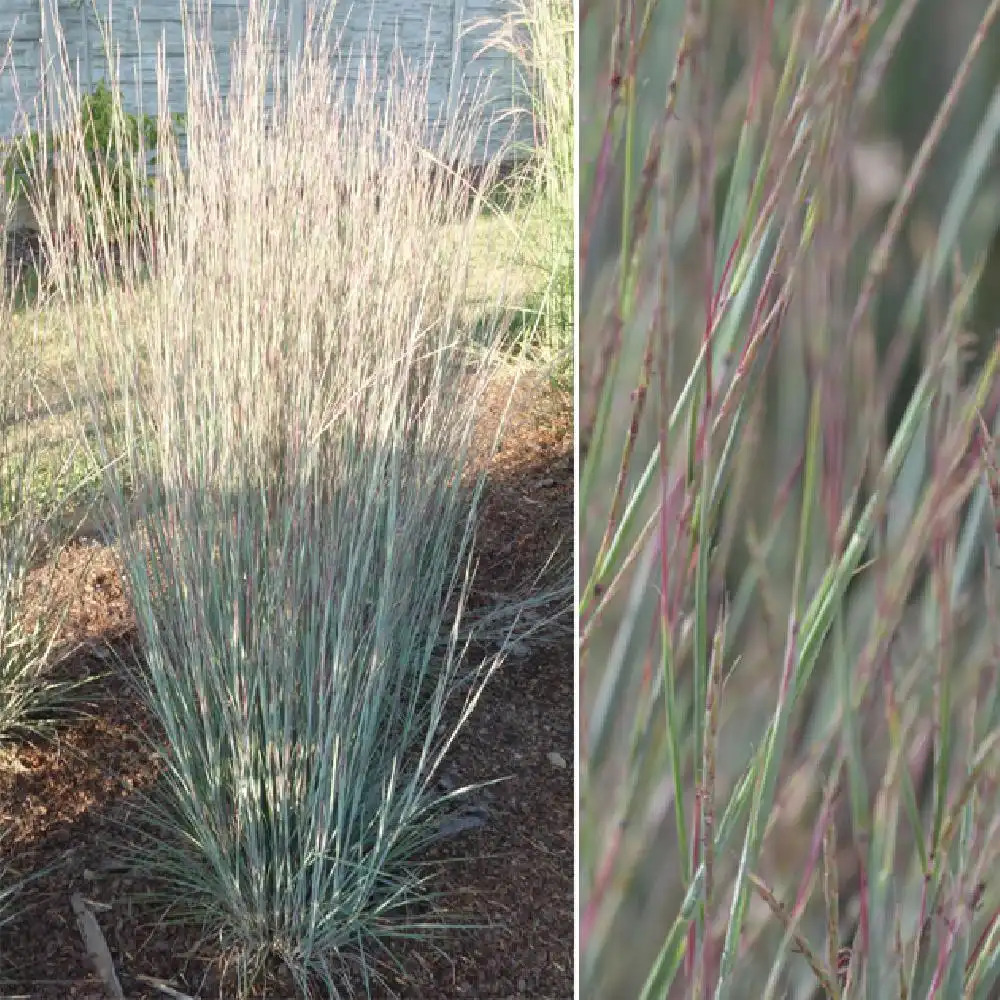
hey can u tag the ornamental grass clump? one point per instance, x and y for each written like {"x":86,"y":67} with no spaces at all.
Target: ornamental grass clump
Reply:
{"x":28,"y":695}
{"x":31,"y":696}
{"x":29,"y":507}
{"x":298,"y":397}
{"x":790,"y":716}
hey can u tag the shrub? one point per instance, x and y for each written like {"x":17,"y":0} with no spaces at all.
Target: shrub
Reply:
{"x":115,"y":155}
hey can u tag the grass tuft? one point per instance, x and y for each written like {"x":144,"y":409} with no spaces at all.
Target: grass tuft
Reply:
{"x":31,"y":696}
{"x":288,"y":362}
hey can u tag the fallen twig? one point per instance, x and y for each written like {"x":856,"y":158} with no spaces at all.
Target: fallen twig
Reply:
{"x":97,"y":947}
{"x":163,"y":987}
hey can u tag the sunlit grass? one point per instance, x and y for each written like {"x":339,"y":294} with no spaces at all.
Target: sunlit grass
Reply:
{"x":536,"y":203}
{"x":296,"y":402}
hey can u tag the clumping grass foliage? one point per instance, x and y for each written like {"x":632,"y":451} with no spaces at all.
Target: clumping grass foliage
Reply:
{"x":28,"y":506}
{"x":30,"y":697}
{"x":790,"y":716}
{"x":299,"y":400}
{"x":23,"y":650}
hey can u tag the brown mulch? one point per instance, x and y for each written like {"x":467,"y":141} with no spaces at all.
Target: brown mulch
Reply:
{"x":65,"y":802}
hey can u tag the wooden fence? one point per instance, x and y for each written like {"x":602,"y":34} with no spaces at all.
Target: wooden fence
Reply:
{"x":449,"y":32}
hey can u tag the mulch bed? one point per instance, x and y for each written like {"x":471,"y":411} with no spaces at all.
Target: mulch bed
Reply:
{"x":66,"y":801}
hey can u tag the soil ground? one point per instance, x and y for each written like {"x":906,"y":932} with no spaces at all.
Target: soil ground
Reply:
{"x":66,"y":801}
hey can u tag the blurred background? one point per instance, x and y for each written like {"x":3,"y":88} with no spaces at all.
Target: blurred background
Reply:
{"x":871,"y":78}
